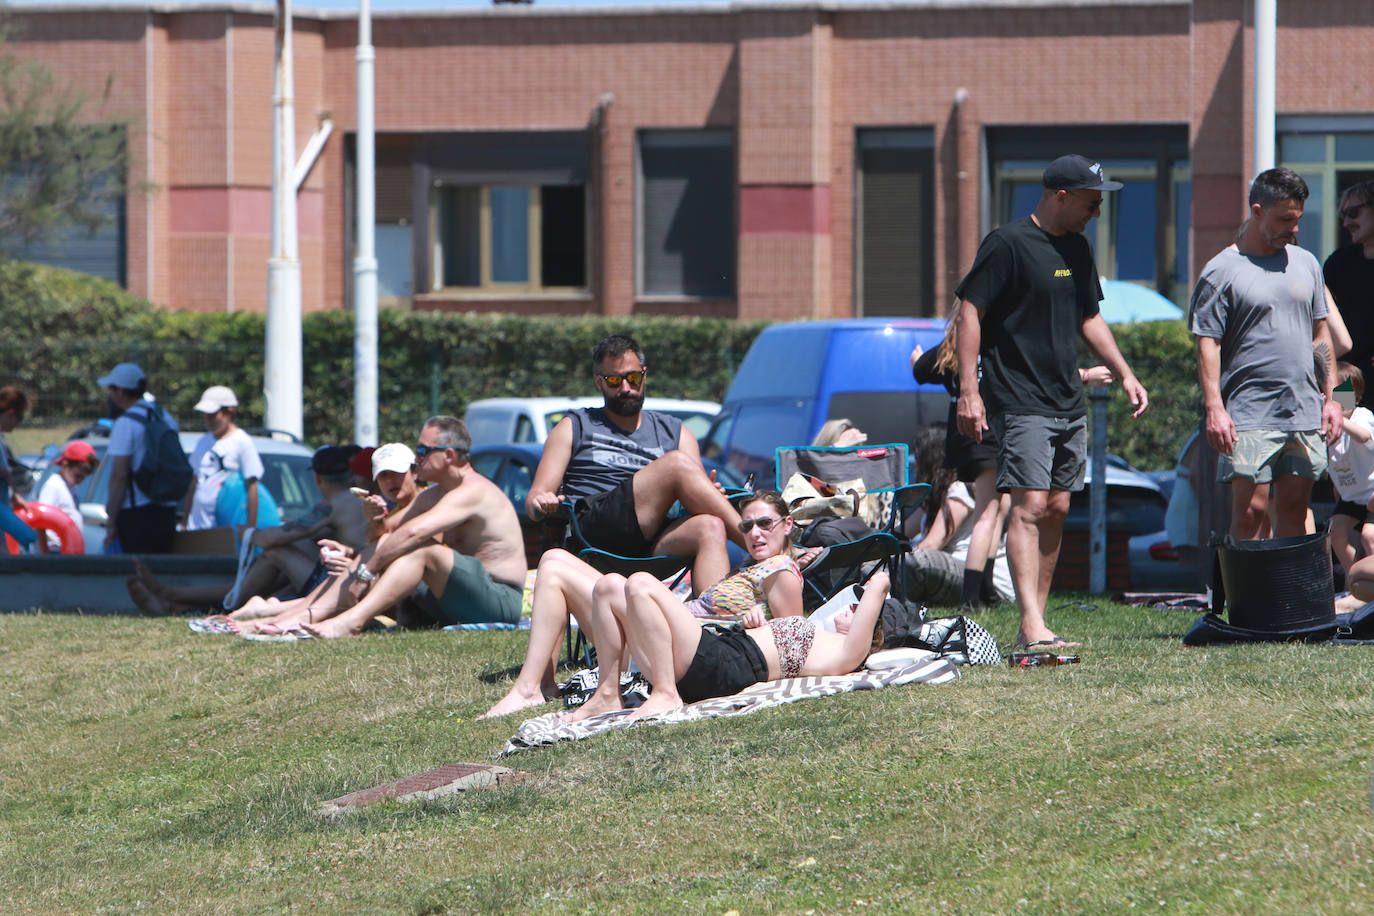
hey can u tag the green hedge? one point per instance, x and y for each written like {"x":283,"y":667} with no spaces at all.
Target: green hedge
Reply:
{"x":67,"y":329}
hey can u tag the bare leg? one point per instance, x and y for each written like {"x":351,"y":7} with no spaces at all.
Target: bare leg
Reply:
{"x":677,"y":478}
{"x":1292,"y":497}
{"x":1248,"y":508}
{"x":320,"y":604}
{"x":1034,"y":529}
{"x":430,"y":564}
{"x":1342,"y":542}
{"x":662,"y":636}
{"x":1360,"y":580}
{"x":563,"y":585}
{"x":702,"y":536}
{"x":607,"y":612}
{"x":150,"y":604}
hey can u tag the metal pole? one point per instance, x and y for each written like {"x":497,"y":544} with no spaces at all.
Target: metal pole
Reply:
{"x":282,"y":369}
{"x":1097,"y":494}
{"x":365,"y":257}
{"x":1266,"y":39}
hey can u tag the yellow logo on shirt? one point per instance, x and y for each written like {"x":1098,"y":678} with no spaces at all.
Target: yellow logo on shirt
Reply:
{"x":1063,"y":272}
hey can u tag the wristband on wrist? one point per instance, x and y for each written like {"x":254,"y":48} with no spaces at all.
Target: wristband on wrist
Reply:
{"x":363,"y":573}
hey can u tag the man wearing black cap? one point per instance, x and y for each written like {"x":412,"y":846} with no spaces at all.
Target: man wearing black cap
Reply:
{"x":1031,"y":294}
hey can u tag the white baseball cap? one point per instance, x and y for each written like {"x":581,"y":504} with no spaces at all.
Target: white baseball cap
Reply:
{"x":394,"y":456}
{"x":216,"y":398}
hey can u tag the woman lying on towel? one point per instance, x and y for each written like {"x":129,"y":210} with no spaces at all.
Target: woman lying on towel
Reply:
{"x":686,"y":663}
{"x":771,"y":586}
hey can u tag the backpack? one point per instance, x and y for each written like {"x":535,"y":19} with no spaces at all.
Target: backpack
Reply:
{"x":165,"y":474}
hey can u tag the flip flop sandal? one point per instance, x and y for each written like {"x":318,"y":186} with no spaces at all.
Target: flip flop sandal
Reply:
{"x":215,"y":624}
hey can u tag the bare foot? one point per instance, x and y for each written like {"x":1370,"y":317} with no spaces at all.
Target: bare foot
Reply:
{"x":150,"y":604}
{"x":656,"y":707}
{"x":256,"y":608}
{"x":519,"y":699}
{"x":330,"y":629}
{"x":1348,"y":603}
{"x":1046,"y":642}
{"x":595,"y":706}
{"x":150,"y":581}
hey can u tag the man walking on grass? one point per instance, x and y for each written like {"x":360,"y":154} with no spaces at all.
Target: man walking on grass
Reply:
{"x":1031,"y":294}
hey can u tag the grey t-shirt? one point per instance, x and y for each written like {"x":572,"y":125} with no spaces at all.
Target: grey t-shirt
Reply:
{"x":1262,"y":309}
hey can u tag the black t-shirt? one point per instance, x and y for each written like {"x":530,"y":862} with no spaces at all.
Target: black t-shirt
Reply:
{"x":1035,"y":290}
{"x":1350,"y":277}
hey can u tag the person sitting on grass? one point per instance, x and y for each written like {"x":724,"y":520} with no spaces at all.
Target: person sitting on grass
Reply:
{"x":770,"y":586}
{"x":290,"y":556}
{"x":685,"y":662}
{"x":394,"y":476}
{"x":475,"y":573}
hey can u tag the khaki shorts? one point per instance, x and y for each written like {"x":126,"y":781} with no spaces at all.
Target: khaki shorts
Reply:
{"x":1263,"y":454}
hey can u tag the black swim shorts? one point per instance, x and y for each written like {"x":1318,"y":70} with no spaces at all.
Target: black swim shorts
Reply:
{"x":726,"y":662}
{"x":608,"y":522}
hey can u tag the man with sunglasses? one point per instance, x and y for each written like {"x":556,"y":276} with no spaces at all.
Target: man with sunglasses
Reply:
{"x":1266,"y":361}
{"x":1349,"y":275}
{"x":1031,"y":293}
{"x":459,"y":546}
{"x":624,"y":467}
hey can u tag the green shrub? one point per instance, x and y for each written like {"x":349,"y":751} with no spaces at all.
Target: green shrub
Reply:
{"x":66,"y":329}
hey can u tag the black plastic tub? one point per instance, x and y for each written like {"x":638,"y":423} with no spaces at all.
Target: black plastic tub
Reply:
{"x":1280,"y":585}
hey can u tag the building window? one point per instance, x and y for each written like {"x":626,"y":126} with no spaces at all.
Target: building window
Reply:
{"x":686,"y":193}
{"x":1331,"y":154}
{"x":510,"y":237}
{"x":894,"y":251}
{"x":1141,"y":234}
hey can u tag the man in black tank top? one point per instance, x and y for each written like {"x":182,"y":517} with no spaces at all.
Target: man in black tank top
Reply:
{"x":623,"y":467}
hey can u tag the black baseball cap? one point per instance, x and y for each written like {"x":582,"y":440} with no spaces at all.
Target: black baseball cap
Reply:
{"x":1076,"y":173}
{"x":331,"y":460}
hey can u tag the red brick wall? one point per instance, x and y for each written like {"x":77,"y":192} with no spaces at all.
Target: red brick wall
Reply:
{"x":793,"y":83}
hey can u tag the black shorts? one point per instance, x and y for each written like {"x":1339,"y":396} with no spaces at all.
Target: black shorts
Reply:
{"x":1354,"y":510}
{"x":608,"y":522}
{"x":966,"y":457}
{"x":146,"y":529}
{"x":726,"y":661}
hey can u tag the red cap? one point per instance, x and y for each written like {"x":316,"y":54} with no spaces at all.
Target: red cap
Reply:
{"x":79,"y":451}
{"x":361,"y":463}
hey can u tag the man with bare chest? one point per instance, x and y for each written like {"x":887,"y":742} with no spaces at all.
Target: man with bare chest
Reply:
{"x":460,"y":542}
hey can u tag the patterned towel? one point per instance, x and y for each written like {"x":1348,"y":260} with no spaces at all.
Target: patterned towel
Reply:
{"x":547,"y":730}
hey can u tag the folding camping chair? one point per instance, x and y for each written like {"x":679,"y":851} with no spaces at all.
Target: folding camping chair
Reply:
{"x":882,"y":469}
{"x":669,"y":567}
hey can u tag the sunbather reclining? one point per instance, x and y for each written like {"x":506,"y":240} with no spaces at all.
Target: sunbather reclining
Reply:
{"x":290,"y":555}
{"x":475,"y":572}
{"x":770,"y":586}
{"x":685,"y":662}
{"x":394,"y":475}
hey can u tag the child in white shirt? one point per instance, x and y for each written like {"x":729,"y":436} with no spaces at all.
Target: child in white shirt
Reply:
{"x":1351,"y":466}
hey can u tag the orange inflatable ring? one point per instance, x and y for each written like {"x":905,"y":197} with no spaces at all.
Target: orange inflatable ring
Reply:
{"x":42,"y":517}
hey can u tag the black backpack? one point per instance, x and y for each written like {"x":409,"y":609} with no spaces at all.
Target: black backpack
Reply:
{"x":165,"y":474}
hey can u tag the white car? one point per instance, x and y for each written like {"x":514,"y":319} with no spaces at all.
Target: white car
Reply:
{"x":493,"y":421}
{"x":287,"y":474}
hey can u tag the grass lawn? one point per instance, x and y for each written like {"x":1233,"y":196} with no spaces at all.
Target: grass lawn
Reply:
{"x":143,"y":768}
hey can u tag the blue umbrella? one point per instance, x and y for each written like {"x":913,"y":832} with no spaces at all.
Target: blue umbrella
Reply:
{"x":1124,"y":302}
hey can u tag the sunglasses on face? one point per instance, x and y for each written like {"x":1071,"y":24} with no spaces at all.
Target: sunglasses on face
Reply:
{"x":765,"y":523}
{"x":635,"y":378}
{"x":1352,"y":211}
{"x":422,"y":451}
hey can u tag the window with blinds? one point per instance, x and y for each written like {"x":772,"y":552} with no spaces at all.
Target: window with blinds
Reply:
{"x":895,"y":222}
{"x":686,"y":197}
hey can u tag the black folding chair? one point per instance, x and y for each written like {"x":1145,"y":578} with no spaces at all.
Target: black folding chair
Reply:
{"x":883,"y":469}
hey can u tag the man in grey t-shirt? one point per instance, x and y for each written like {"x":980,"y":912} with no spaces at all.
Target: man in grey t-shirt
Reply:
{"x":1265,"y":361}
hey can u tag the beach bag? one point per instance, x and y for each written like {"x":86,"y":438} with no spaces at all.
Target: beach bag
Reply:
{"x":957,"y":639}
{"x":165,"y":474}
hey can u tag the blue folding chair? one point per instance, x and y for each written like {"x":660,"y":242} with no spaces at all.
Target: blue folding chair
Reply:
{"x":883,"y":469}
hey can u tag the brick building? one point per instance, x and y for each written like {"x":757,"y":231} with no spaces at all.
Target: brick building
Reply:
{"x":752,"y":159}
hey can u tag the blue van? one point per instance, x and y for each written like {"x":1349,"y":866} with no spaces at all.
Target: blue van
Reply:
{"x":798,"y":375}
